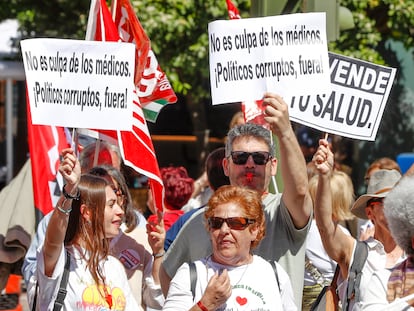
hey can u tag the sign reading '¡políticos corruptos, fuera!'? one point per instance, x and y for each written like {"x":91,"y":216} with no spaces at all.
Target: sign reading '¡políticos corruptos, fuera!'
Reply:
{"x":80,"y":84}
{"x":356,"y":103}
{"x":285,"y":54}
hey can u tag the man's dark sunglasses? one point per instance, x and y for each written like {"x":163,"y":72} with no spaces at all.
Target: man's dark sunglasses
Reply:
{"x":235,"y":223}
{"x":241,"y":157}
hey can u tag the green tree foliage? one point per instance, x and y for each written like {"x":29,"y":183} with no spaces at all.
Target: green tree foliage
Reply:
{"x":376,"y":21}
{"x":178,"y":30}
{"x":378,"y":25}
{"x":60,"y":18}
{"x":179,"y":37}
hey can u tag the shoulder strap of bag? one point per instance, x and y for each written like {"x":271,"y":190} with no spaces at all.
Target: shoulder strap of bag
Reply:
{"x":35,"y":296}
{"x":273,"y":264}
{"x":193,"y":277}
{"x":354,"y":277}
{"x":63,"y":283}
{"x":335,"y":277}
{"x":320,"y":302}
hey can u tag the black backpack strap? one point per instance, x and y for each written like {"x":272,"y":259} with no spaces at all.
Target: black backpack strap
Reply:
{"x":193,"y":277}
{"x":34,"y":305}
{"x":355,"y":274}
{"x":63,"y":283}
{"x":273,"y":264}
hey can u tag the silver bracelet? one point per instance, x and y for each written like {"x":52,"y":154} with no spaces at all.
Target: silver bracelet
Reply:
{"x":64,"y":211}
{"x":158,"y":255}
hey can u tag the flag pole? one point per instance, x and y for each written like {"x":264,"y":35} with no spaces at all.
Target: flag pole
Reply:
{"x":96,"y":155}
{"x":74,"y":141}
{"x":113,"y":9}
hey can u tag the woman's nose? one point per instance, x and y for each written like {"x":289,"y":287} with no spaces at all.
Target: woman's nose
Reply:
{"x":120,"y":210}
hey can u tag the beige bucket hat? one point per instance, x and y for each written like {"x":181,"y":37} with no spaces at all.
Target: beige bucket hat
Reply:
{"x":380,"y":183}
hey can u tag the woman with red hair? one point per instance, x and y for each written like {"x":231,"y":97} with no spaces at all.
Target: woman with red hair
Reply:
{"x":178,"y":188}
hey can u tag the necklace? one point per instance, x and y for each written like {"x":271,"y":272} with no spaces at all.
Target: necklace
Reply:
{"x":209,"y":259}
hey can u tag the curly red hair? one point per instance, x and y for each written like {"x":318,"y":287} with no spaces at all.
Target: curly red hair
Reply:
{"x":178,"y":186}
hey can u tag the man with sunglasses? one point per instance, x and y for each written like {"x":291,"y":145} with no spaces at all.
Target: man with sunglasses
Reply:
{"x":250,"y":162}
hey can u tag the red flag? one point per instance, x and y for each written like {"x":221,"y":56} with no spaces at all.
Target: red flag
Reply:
{"x":99,"y":15}
{"x":154,"y":89}
{"x":130,"y":30}
{"x":233,"y":11}
{"x":254,"y":113}
{"x":136,"y":145}
{"x":138,"y":152}
{"x":45,"y":145}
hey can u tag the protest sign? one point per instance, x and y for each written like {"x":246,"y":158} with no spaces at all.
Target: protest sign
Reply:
{"x":285,"y":54}
{"x":355,"y":105}
{"x":80,"y":84}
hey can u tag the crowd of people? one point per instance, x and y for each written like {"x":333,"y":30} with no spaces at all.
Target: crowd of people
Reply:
{"x":223,"y":241}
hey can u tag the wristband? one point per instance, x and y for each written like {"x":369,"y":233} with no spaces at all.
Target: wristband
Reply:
{"x":201,"y":306}
{"x":158,"y":255}
{"x":69,"y":196}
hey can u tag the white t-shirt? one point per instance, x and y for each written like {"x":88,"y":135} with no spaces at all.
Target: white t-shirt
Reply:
{"x":376,"y":298}
{"x":82,"y":293}
{"x":375,"y":264}
{"x":254,"y":287}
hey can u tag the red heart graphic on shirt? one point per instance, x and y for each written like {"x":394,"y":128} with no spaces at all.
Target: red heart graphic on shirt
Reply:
{"x":241,"y":301}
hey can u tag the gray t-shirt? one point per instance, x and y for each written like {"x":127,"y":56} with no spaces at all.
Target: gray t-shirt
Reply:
{"x":283,"y":243}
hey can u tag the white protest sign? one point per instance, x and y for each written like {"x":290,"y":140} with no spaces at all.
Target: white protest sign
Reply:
{"x":285,"y":54}
{"x":356,"y":103}
{"x":80,"y":84}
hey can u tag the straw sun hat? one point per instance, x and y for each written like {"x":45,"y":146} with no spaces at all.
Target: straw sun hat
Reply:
{"x":380,"y":183}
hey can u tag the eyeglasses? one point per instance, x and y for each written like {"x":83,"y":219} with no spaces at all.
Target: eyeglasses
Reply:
{"x":241,"y":157}
{"x":371,"y":203}
{"x":235,"y":223}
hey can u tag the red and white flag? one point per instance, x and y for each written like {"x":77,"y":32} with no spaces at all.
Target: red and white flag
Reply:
{"x":154,"y":89}
{"x":136,"y":145}
{"x":45,"y":145}
{"x":233,"y":11}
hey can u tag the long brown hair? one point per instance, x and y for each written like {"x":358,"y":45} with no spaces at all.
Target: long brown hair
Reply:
{"x":107,"y":171}
{"x":90,"y":234}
